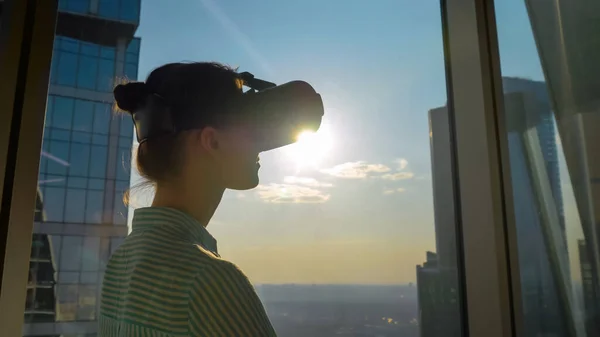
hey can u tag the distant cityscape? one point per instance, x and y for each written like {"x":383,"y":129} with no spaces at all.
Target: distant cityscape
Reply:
{"x":342,"y":310}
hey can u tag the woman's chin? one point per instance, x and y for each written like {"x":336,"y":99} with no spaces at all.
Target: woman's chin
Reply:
{"x":245,"y":185}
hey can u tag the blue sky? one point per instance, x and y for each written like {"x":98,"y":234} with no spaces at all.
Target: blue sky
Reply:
{"x":363,"y":212}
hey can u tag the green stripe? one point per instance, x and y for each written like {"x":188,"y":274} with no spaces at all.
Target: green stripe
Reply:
{"x":228,"y":284}
{"x":159,"y":283}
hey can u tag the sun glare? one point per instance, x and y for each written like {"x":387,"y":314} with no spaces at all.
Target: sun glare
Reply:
{"x":310,"y":148}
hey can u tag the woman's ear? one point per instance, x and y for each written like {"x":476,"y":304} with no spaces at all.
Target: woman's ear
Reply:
{"x":209,"y":139}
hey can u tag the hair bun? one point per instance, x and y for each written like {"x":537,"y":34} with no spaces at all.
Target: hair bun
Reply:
{"x":130,"y":96}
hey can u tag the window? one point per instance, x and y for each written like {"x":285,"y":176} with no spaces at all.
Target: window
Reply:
{"x":130,"y":10}
{"x":93,"y":213}
{"x":77,"y":6}
{"x":91,"y":249}
{"x":131,"y":70}
{"x":83,"y":115}
{"x":108,"y":8}
{"x":126,"y":128}
{"x":78,"y":182}
{"x":88,"y":72}
{"x":87,"y":303}
{"x":67,"y":302}
{"x":341,"y":236}
{"x":70,"y":256}
{"x":80,"y":160}
{"x":106,"y":70}
{"x":98,"y":161}
{"x":123,"y":168}
{"x":75,"y":205}
{"x":62,"y":112}
{"x":83,"y":65}
{"x":57,"y":158}
{"x":551,"y":114}
{"x":67,"y":69}
{"x":102,"y":115}
{"x":68,"y":277}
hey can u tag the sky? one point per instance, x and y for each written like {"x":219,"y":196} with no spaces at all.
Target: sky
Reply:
{"x":352,"y":203}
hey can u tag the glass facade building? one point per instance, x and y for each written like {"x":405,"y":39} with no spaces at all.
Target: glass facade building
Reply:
{"x":84,"y":166}
{"x":531,"y":129}
{"x":541,"y":295}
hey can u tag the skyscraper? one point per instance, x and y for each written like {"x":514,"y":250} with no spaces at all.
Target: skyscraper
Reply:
{"x":439,"y":311}
{"x":437,"y":278}
{"x":84,"y":166}
{"x":527,"y":108}
{"x":565,"y":35}
{"x":541,"y":237}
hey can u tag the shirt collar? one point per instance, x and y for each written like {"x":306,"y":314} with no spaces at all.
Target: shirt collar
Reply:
{"x":172,"y":221}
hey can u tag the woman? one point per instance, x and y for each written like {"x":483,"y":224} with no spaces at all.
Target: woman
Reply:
{"x":167,"y":278}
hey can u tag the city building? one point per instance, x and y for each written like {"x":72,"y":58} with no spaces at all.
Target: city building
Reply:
{"x":530,"y":122}
{"x":533,"y":157}
{"x":568,"y":67}
{"x":84,"y":166}
{"x":587,"y":287}
{"x":40,"y":305}
{"x":443,"y":190}
{"x":437,"y":278}
{"x":438,"y":297}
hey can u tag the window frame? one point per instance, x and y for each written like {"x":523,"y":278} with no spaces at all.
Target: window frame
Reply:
{"x":487,"y":245}
{"x":26,"y":39}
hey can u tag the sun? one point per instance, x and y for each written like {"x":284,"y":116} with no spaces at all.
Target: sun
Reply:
{"x":310,"y":148}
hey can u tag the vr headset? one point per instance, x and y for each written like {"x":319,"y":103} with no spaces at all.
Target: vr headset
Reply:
{"x":277,"y":114}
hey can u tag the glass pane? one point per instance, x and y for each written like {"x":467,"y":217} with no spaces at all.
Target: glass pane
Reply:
{"x":78,"y":6}
{"x":131,"y":71}
{"x":102,"y":115}
{"x":75,"y":212}
{"x":93,"y":212}
{"x":70,"y":257}
{"x":67,"y":68}
{"x":126,"y":125}
{"x":98,"y":161}
{"x":106,"y":75}
{"x":123,"y":168}
{"x":549,"y":54}
{"x":80,"y":154}
{"x":90,"y":49}
{"x":130,"y":10}
{"x":340,"y":237}
{"x":75,"y":205}
{"x":108,"y":9}
{"x":63,"y":112}
{"x":57,"y":157}
{"x":108,"y":53}
{"x":83,"y":115}
{"x":88,"y":72}
{"x":69,"y":44}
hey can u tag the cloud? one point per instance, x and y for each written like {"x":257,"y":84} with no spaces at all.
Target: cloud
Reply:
{"x":389,"y":191}
{"x":398,"y":176}
{"x":311,"y":182}
{"x":289,"y":193}
{"x":402,"y":163}
{"x":355,"y":170}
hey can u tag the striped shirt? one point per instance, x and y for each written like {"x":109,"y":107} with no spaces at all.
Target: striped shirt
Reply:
{"x":167,"y":279}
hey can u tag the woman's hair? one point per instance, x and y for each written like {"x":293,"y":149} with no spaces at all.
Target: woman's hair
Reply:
{"x":187,"y":88}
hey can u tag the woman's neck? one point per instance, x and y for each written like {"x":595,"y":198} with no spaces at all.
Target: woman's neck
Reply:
{"x":200,"y":203}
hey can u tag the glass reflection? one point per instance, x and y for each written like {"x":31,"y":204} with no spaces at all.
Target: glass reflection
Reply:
{"x":552,"y":113}
{"x":332,"y":235}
